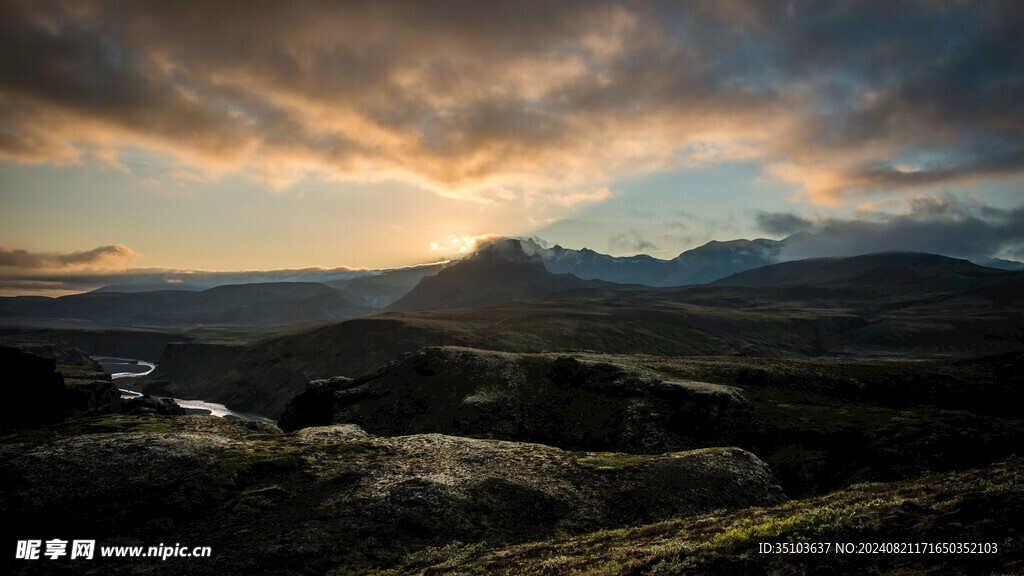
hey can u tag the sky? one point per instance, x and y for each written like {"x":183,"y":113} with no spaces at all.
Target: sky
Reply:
{"x":194,"y":137}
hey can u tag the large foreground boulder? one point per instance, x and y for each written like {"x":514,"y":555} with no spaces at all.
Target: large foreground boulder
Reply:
{"x":310,"y":502}
{"x":547,"y":399}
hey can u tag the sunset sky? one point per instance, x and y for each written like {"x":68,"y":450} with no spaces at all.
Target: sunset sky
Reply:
{"x":143,"y":136}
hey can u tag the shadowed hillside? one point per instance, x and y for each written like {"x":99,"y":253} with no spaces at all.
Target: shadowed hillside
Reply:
{"x":897,"y":271}
{"x":948,"y":307}
{"x":381,"y":290}
{"x":558,"y":401}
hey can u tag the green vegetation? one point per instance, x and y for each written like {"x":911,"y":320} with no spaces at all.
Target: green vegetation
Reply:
{"x":804,"y":525}
{"x":605,"y":461}
{"x":966,"y":506}
{"x":81,"y":374}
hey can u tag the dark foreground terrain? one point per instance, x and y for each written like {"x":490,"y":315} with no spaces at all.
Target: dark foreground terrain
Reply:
{"x":452,"y":480}
{"x":332,"y":497}
{"x":609,"y":430}
{"x":336,"y":501}
{"x":972,"y":507}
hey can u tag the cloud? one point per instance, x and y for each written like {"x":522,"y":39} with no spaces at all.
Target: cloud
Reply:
{"x":579,"y":197}
{"x":782,"y":224}
{"x":941,"y":225}
{"x":929,"y":98}
{"x":630,"y":241}
{"x":103,"y":259}
{"x":504,"y":101}
{"x":457,"y":246}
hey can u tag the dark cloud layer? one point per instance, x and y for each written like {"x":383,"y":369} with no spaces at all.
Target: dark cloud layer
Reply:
{"x":104,"y":258}
{"x":930,"y":224}
{"x":782,"y":223}
{"x":491,"y":100}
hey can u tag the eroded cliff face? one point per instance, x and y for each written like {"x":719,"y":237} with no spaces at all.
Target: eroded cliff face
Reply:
{"x":34,"y":392}
{"x":340,"y":496}
{"x":547,"y":399}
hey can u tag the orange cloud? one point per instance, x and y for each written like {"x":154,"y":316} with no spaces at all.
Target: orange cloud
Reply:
{"x":484,"y":102}
{"x":458,"y":246}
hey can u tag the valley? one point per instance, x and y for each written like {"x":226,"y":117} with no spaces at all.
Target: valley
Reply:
{"x":516,"y":288}
{"x":556,"y":426}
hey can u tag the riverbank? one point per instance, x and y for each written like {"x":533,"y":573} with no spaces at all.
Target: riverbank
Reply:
{"x":124,"y":372}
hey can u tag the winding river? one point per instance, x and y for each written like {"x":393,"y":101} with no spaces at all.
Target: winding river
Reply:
{"x":125,"y":371}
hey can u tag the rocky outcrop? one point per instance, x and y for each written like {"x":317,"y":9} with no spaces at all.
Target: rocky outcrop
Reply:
{"x":33,"y":390}
{"x":315,"y":406}
{"x":335,"y":432}
{"x":103,"y":397}
{"x":147,"y":405}
{"x":94,"y":396}
{"x":179,"y":365}
{"x":547,"y":399}
{"x":334,"y":498}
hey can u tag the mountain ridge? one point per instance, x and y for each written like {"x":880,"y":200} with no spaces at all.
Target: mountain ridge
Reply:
{"x":705,"y":263}
{"x":269,"y":304}
{"x":890,"y":267}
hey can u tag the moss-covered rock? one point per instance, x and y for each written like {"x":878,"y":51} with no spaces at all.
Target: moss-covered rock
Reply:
{"x":338,"y":497}
{"x":548,"y":399}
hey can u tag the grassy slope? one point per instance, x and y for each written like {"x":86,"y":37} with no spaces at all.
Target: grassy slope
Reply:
{"x":977,"y":506}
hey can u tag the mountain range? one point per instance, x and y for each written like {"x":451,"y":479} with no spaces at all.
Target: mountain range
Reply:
{"x":700,"y":265}
{"x":500,"y":272}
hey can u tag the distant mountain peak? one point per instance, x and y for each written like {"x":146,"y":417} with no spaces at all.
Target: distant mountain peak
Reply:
{"x":506,"y":251}
{"x":499,"y":272}
{"x":712,"y":261}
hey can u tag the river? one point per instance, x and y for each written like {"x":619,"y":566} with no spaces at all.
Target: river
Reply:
{"x":125,"y":371}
